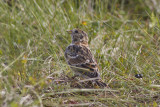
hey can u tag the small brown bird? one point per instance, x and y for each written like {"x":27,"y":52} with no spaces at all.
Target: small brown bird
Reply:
{"x":79,"y":57}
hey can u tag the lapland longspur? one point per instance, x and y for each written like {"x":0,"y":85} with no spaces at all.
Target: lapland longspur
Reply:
{"x":81,"y":61}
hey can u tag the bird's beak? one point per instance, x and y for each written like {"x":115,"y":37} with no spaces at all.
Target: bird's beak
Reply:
{"x":69,"y":31}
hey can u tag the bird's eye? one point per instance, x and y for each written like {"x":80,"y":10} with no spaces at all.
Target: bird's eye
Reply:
{"x":76,"y":31}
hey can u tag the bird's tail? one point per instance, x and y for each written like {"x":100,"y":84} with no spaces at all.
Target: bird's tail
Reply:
{"x":100,"y":83}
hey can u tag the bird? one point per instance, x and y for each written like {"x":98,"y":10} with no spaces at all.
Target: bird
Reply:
{"x":80,"y":59}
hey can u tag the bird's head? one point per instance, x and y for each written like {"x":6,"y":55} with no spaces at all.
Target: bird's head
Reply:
{"x":78,"y":36}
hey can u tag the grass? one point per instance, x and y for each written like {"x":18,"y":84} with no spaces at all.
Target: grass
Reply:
{"x":124,"y":38}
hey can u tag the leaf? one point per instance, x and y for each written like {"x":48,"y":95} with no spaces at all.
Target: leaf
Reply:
{"x":155,"y":104}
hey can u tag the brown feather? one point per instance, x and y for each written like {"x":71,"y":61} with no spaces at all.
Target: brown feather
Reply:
{"x":80,"y":58}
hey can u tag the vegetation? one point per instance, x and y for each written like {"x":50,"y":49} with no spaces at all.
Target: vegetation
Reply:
{"x":124,"y":38}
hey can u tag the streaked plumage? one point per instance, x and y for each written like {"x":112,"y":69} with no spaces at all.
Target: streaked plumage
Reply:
{"x":80,"y":58}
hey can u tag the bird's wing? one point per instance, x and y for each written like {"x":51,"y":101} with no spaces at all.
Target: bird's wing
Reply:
{"x":80,"y":59}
